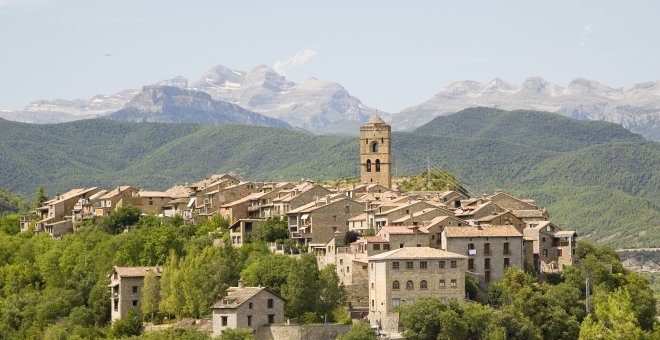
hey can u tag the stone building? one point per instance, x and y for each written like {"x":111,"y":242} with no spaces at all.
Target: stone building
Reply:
{"x":548,"y":248}
{"x":490,"y":250}
{"x":126,"y":289}
{"x":316,"y":223}
{"x":247,"y":307}
{"x":402,"y":275}
{"x":375,"y":153}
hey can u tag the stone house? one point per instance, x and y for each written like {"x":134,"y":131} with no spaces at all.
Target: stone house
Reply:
{"x":405,"y":236}
{"x":503,"y":218}
{"x":111,"y":200}
{"x":551,"y":249}
{"x":126,"y":289}
{"x":151,"y":202}
{"x":237,"y":209}
{"x":437,"y":225}
{"x":207,"y":202}
{"x":509,"y":202}
{"x":479,"y":209}
{"x":56,"y":214}
{"x":247,"y":307}
{"x":383,"y":217}
{"x":297,"y":197}
{"x":317,"y":222}
{"x":419,"y":217}
{"x":489,"y":250}
{"x":239,"y":231}
{"x":402,"y":275}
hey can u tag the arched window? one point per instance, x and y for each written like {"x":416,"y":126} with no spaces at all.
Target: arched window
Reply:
{"x":378,"y":165}
{"x":409,"y":285}
{"x":374,"y":147}
{"x":368,"y":165}
{"x":395,"y":285}
{"x":423,"y":285}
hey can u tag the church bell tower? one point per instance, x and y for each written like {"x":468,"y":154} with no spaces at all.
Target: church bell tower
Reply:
{"x":375,"y":153}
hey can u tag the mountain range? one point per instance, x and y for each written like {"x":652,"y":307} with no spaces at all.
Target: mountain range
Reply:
{"x":324,"y":107}
{"x":594,"y":176}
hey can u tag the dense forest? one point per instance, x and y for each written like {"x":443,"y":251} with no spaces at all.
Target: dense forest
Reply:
{"x":595,"y":177}
{"x":57,"y":289}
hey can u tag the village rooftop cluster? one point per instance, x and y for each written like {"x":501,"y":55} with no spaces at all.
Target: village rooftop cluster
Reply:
{"x":412,"y":244}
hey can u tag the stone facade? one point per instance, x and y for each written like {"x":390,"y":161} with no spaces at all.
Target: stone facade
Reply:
{"x":375,"y":153}
{"x":403,"y":275}
{"x":247,"y":307}
{"x":126,"y":289}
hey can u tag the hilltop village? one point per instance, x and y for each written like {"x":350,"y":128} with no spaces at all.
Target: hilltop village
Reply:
{"x":388,"y":247}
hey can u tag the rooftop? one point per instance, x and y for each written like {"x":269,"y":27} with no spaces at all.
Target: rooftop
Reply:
{"x":415,"y":253}
{"x":491,"y":231}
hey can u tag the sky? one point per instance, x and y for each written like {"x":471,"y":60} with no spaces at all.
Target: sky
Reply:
{"x":390,"y":54}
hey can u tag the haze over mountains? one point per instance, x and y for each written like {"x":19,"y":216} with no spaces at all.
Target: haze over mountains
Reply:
{"x":326,"y":107}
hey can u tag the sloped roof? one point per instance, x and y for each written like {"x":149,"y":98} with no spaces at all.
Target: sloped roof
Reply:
{"x":416,"y":253}
{"x":137,"y":271}
{"x":116,"y":191}
{"x":493,"y":231}
{"x":375,"y":120}
{"x":528,"y":213}
{"x":237,"y":296}
{"x":401,"y":230}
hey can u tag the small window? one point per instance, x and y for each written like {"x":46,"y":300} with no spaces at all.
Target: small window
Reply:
{"x":250,"y":305}
{"x":135,"y":303}
{"x":452,"y":283}
{"x":270,"y":303}
{"x":386,"y":246}
{"x":471,"y":264}
{"x":442,"y":283}
{"x":368,"y":165}
{"x":409,"y":264}
{"x":347,"y":209}
{"x":410,"y":285}
{"x":378,"y":165}
{"x":334,"y":218}
{"x":271,"y":318}
{"x":376,"y":246}
{"x":223,"y":320}
{"x":374,"y":147}
{"x":395,"y":285}
{"x":396,"y":302}
{"x":545,"y":253}
{"x":442,"y":264}
{"x":249,"y":320}
{"x":423,"y":285}
{"x":506,"y":262}
{"x":559,"y":252}
{"x":395,"y":265}
{"x":454,"y":264}
{"x":135,"y":289}
{"x":422,"y":265}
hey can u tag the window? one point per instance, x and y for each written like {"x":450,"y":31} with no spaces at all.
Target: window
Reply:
{"x":471,"y":264}
{"x":223,"y":320}
{"x":151,"y":202}
{"x":559,"y":252}
{"x":486,"y":263}
{"x":135,"y":302}
{"x":487,"y":275}
{"x":470,"y":245}
{"x":507,"y":262}
{"x":543,"y":239}
{"x":374,"y":147}
{"x":442,"y":264}
{"x":368,"y":165}
{"x":270,"y":303}
{"x":135,"y":289}
{"x":395,"y":265}
{"x":373,"y":303}
{"x":486,"y":248}
{"x":422,"y":264}
{"x":442,"y":283}
{"x":396,"y":285}
{"x":400,"y":245}
{"x":249,"y":320}
{"x":372,"y":286}
{"x":250,"y":305}
{"x":423,"y":285}
{"x":410,"y":285}
{"x":454,"y":264}
{"x":396,"y":302}
{"x":378,"y":165}
{"x":347,"y":209}
{"x":545,"y":253}
{"x":376,"y":246}
{"x":506,"y":248}
{"x":386,"y":246}
{"x":452,"y":283}
{"x":334,"y":218}
{"x":409,"y":264}
{"x":271,"y":318}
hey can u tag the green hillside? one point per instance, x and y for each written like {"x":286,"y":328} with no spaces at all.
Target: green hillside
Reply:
{"x":11,"y":203}
{"x":542,"y":130}
{"x":594,"y":176}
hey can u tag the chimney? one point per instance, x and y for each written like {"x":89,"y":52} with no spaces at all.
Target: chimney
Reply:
{"x":241,"y":283}
{"x":327,"y":199}
{"x":414,"y":228}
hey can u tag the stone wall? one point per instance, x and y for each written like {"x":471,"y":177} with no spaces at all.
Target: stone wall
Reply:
{"x":301,"y":332}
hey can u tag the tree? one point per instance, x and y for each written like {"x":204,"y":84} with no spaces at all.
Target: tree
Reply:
{"x":478,"y":319}
{"x":271,"y":230}
{"x":332,"y":293}
{"x":420,"y":318}
{"x":613,"y":318}
{"x":350,"y":237}
{"x":452,"y":326}
{"x":40,"y":196}
{"x":471,"y":287}
{"x":516,"y":324}
{"x":120,"y":218}
{"x":237,"y":334}
{"x":130,"y":324}
{"x":10,"y":224}
{"x":269,"y":271}
{"x":302,"y":286}
{"x":171,"y":288}
{"x":360,"y":330}
{"x":150,"y":295}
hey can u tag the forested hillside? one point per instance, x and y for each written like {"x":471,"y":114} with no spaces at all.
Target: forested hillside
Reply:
{"x":594,"y":176}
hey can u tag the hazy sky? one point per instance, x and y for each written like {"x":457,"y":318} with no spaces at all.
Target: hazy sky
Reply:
{"x":390,"y":54}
